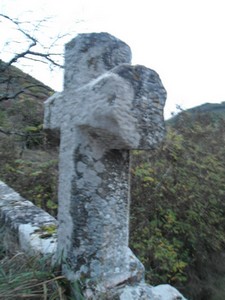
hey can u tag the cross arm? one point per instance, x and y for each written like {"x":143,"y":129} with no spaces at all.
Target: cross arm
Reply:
{"x":53,"y":111}
{"x":123,"y":109}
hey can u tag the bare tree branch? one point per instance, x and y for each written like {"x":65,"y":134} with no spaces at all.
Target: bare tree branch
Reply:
{"x":32,"y":43}
{"x":46,"y":56}
{"x":23,"y":134}
{"x":13,"y":96}
{"x":32,"y":39}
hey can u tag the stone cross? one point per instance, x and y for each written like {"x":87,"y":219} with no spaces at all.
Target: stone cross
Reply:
{"x":108,"y":107}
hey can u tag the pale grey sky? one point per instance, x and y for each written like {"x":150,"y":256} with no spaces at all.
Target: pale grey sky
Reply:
{"x":182,"y":40}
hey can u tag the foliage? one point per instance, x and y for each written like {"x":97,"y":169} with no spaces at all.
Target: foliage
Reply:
{"x":34,"y":180}
{"x":178,"y":204}
{"x":28,"y":154}
{"x":23,"y":277}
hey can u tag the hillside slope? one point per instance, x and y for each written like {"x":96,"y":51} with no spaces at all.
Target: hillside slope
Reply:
{"x":21,"y":98}
{"x":178,"y":209}
{"x":215,"y":110}
{"x":27,"y":153}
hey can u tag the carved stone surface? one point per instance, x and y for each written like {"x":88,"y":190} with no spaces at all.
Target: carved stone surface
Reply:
{"x":143,"y":291}
{"x":107,"y":108}
{"x":24,"y":224}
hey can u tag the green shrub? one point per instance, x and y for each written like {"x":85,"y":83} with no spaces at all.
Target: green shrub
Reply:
{"x":178,"y":204}
{"x":23,"y":277}
{"x":35,"y":181}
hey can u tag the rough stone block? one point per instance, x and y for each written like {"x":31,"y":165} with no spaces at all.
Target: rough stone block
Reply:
{"x":25,"y":226}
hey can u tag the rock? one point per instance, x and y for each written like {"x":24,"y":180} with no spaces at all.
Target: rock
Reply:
{"x":107,"y":108}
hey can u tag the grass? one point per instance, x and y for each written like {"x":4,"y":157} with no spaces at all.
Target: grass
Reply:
{"x":26,"y":277}
{"x":23,"y":277}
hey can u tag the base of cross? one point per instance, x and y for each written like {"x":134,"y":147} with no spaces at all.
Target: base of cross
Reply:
{"x":141,"y":291}
{"x":126,"y":285}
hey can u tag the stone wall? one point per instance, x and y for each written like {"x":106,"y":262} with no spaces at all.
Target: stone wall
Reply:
{"x":25,"y":226}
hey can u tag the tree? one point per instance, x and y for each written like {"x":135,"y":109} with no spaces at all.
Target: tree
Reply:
{"x":25,"y":43}
{"x":25,"y":161}
{"x":32,"y":42}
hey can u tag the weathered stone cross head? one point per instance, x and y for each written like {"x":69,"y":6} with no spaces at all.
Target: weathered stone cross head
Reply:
{"x":107,"y":108}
